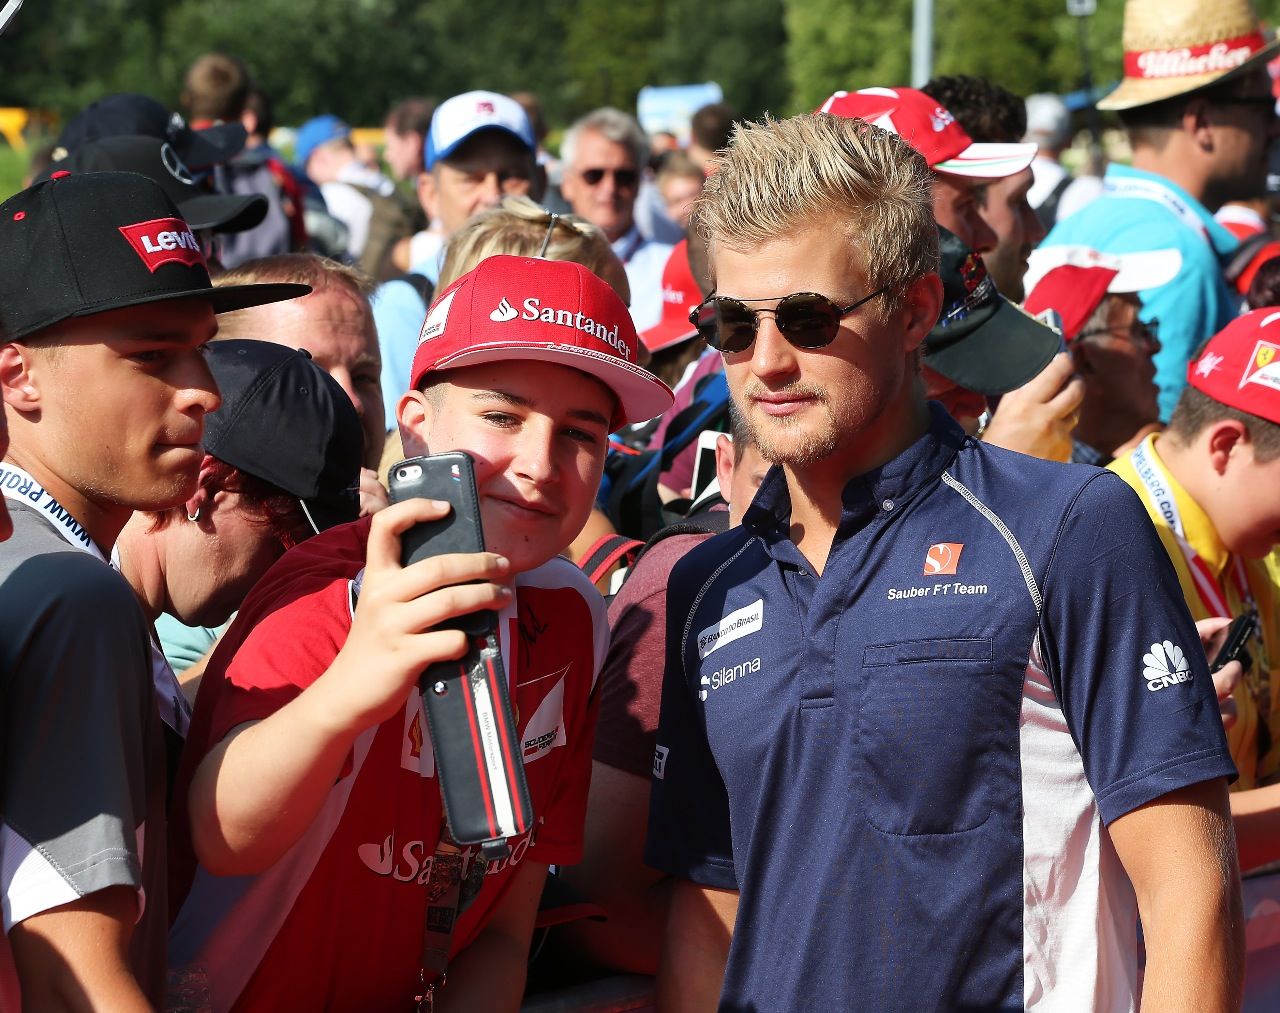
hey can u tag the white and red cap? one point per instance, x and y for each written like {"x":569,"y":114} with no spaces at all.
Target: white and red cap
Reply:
{"x":922,"y":122}
{"x":458,"y":118}
{"x":550,"y":310}
{"x":1240,"y":365}
{"x":680,"y":294}
{"x":1073,"y":280}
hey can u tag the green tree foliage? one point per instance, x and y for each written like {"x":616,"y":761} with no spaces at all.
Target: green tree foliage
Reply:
{"x":355,"y":57}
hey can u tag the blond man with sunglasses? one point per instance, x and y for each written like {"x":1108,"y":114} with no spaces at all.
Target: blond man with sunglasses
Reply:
{"x":936,"y":727}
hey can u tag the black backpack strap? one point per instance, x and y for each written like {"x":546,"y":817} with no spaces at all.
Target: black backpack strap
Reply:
{"x":607,"y":550}
{"x":421,"y":284}
{"x":1243,"y":257}
{"x":1047,"y":212}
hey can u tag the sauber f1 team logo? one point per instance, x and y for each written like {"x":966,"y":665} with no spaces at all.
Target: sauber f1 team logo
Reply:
{"x":163,"y":241}
{"x":942,"y":558}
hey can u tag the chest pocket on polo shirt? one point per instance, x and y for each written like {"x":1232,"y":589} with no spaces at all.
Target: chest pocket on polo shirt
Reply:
{"x":926,"y":728}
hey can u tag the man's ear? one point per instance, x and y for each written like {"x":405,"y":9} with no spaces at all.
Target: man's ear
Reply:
{"x":1224,"y":441}
{"x":724,"y":464}
{"x":200,"y":499}
{"x":921,"y":304}
{"x":428,"y":195}
{"x":1197,"y":120}
{"x":414,"y":413}
{"x":20,"y":369}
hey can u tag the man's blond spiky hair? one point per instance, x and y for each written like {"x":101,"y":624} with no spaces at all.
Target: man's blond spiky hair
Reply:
{"x":833,"y":172}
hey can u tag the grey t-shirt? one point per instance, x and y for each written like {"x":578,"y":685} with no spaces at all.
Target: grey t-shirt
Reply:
{"x":82,"y":769}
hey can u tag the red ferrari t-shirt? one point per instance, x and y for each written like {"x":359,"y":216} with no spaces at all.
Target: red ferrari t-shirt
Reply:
{"x":337,"y":922}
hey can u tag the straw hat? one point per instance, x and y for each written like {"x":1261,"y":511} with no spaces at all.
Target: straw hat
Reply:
{"x":1172,"y":47}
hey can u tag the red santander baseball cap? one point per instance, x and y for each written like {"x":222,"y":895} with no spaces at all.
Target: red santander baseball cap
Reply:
{"x":550,"y":310}
{"x":923,"y":123}
{"x":1240,"y":365}
{"x":680,"y":294}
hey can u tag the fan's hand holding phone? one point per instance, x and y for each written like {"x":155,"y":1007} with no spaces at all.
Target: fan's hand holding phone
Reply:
{"x":387,"y":649}
{"x":468,"y":708}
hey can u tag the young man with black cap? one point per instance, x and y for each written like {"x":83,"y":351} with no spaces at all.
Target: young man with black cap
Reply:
{"x":310,"y":768}
{"x":907,"y":757}
{"x":106,"y":306}
{"x":255,"y":498}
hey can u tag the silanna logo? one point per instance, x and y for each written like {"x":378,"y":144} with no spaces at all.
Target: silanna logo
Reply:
{"x":164,"y":241}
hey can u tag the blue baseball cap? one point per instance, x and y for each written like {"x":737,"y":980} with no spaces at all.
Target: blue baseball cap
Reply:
{"x":458,"y":118}
{"x":317,"y":131}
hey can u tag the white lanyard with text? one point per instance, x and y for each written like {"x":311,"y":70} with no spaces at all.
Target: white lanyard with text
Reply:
{"x":19,"y":486}
{"x":1149,"y":189}
{"x":1159,"y":491}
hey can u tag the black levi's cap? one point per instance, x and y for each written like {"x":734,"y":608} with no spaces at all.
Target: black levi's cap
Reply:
{"x":285,"y":420}
{"x":128,"y":113}
{"x":77,"y":245}
{"x":159,"y":161}
{"x":982,"y":341}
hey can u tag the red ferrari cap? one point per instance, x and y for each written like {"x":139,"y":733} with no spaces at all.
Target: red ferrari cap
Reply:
{"x":680,"y":294}
{"x":1240,"y":365}
{"x":923,"y":123}
{"x":551,"y":310}
{"x":1073,"y":280}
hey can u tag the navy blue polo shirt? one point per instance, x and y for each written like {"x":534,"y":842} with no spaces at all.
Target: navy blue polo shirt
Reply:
{"x":907,"y":765}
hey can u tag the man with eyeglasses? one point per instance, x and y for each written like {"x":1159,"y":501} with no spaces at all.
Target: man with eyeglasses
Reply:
{"x":935,"y":725}
{"x":604,"y":155}
{"x":1200,"y":118}
{"x":1095,"y":298}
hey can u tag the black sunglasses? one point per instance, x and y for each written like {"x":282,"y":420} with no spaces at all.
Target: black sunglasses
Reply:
{"x":623,"y":179}
{"x":806,"y":320}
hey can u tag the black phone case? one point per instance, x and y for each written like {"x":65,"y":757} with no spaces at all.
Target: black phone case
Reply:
{"x":477,"y":749}
{"x":449,"y":477}
{"x":468,"y":707}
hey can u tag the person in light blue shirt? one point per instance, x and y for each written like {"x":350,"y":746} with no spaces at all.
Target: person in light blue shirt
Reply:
{"x":479,"y":149}
{"x":1192,"y":151}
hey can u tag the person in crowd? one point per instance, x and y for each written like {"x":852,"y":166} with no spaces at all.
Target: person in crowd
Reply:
{"x":612,"y":872}
{"x":604,"y":155}
{"x":1251,"y":220}
{"x":217,"y":89}
{"x":1264,"y":290}
{"x":671,"y":341}
{"x":989,"y":113}
{"x":335,"y":325}
{"x":1034,"y":419}
{"x":131,"y":114}
{"x":1210,"y":484}
{"x":983,"y":346}
{"x":309,"y":774}
{"x":352,"y":191}
{"x":709,"y":131}
{"x":903,"y":665}
{"x":104,"y":291}
{"x":405,"y":136}
{"x":1095,"y":297}
{"x":1200,"y":131}
{"x":679,"y":181}
{"x":255,"y":497}
{"x":480,"y":148}
{"x":962,"y":168}
{"x":212,"y":217}
{"x":1056,"y":193}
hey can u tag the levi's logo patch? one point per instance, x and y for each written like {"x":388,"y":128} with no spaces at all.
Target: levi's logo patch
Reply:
{"x":163,"y":241}
{"x":942,"y":558}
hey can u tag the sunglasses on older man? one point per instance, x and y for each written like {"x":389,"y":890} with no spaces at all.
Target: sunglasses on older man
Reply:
{"x":623,"y":179}
{"x":805,"y":319}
